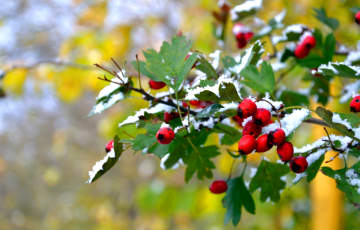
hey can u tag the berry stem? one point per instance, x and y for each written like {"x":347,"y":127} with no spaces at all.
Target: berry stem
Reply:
{"x":137,"y":60}
{"x":231,"y":168}
{"x":178,"y":107}
{"x":243,"y":172}
{"x":297,"y":107}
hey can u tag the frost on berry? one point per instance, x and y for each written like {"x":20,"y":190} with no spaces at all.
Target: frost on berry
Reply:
{"x":298,"y":164}
{"x":247,"y":144}
{"x":355,"y":104}
{"x":285,"y":151}
{"x":276,"y":137}
{"x":262,"y":144}
{"x":165,"y":135}
{"x":262,"y":117}
{"x":218,"y":186}
{"x":251,"y":129}
{"x":246,"y":108}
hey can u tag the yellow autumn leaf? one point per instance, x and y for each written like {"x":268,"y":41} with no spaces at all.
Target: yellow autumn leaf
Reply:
{"x":14,"y":80}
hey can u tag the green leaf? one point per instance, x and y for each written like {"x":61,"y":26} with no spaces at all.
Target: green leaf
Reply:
{"x":143,"y":141}
{"x":337,"y":144}
{"x":352,"y":118}
{"x":328,"y":49}
{"x":231,"y":135}
{"x":209,"y":110}
{"x":327,"y":115}
{"x":274,"y":23}
{"x":355,"y":9}
{"x":169,"y":65}
{"x":237,"y":195}
{"x":199,"y":162}
{"x":333,"y":23}
{"x":227,"y":92}
{"x":177,"y":151}
{"x":320,"y":87}
{"x":290,"y":98}
{"x":159,"y":149}
{"x":312,"y":61}
{"x":204,"y":83}
{"x":243,"y":10}
{"x":143,"y":70}
{"x":339,"y":69}
{"x":313,"y":170}
{"x":342,"y":183}
{"x":268,"y":179}
{"x":205,"y":67}
{"x":109,"y":161}
{"x":263,"y":81}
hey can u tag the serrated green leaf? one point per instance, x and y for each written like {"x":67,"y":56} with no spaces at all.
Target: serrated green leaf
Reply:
{"x":205,"y":67}
{"x":268,"y":179}
{"x":237,"y":195}
{"x":333,"y":23}
{"x":144,"y":70}
{"x":159,"y":149}
{"x":143,"y":141}
{"x":110,"y":162}
{"x":263,"y":81}
{"x":352,"y":118}
{"x":242,"y":11}
{"x":177,"y":151}
{"x":204,"y":83}
{"x":327,"y":115}
{"x":227,"y":92}
{"x":313,"y":170}
{"x":290,"y":98}
{"x":328,"y":49}
{"x":321,"y":87}
{"x":169,"y":65}
{"x":341,"y":70}
{"x":312,"y":61}
{"x":209,"y":110}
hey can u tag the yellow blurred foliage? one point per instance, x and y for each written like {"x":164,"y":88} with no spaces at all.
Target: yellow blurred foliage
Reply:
{"x":69,"y":84}
{"x":94,"y":15}
{"x":14,"y":80}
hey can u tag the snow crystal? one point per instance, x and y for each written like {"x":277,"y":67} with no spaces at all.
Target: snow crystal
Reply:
{"x":246,"y":120}
{"x":337,"y":177}
{"x":328,"y":67}
{"x":164,"y":125}
{"x":247,"y":6}
{"x":348,"y":90}
{"x":99,"y":165}
{"x":353,"y":178}
{"x":337,"y":119}
{"x":252,"y":172}
{"x":156,"y":109}
{"x":175,"y":166}
{"x":240,"y":28}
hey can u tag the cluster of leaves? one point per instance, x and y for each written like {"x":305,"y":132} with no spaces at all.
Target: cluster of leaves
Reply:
{"x":244,"y":75}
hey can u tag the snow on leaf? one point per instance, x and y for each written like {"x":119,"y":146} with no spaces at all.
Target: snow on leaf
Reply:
{"x":248,"y":8}
{"x":349,"y":90}
{"x":104,"y":165}
{"x":290,"y":33}
{"x":340,"y":69}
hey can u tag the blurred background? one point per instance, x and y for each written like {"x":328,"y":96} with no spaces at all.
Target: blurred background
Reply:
{"x":48,"y":145}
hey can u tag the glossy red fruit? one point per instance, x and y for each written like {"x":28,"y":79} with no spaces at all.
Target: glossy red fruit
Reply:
{"x":276,"y":137}
{"x":218,"y":186}
{"x":285,"y":151}
{"x":251,"y":129}
{"x":246,"y":108}
{"x":156,"y":84}
{"x":195,"y":103}
{"x":357,"y":17}
{"x":165,"y":135}
{"x":238,"y":120}
{"x":204,"y":104}
{"x":241,"y":40}
{"x":170,"y":116}
{"x":109,"y":146}
{"x":298,"y":164}
{"x":262,"y":144}
{"x":262,"y":117}
{"x":355,"y":104}
{"x":248,"y":36}
{"x":309,"y":42}
{"x":301,"y":51}
{"x":187,"y":56}
{"x":247,"y":144}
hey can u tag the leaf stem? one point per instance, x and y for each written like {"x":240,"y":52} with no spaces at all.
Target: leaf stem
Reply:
{"x":192,"y":145}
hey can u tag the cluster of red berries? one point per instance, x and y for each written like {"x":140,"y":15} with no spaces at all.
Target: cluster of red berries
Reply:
{"x":243,"y":34}
{"x":303,"y":49}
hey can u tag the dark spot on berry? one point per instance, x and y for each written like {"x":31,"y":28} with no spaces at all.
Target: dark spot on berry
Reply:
{"x":295,"y":167}
{"x":107,"y":150}
{"x":308,"y":46}
{"x":161,"y":137}
{"x":240,"y":113}
{"x":258,"y":122}
{"x":168,"y":129}
{"x":280,"y":156}
{"x":357,"y":100}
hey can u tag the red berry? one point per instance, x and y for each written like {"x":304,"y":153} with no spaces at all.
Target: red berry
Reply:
{"x":309,"y":42}
{"x":156,"y":84}
{"x":187,"y":56}
{"x":276,"y":137}
{"x":298,"y":164}
{"x":218,"y":186}
{"x":246,"y":108}
{"x":357,"y":17}
{"x":301,"y":51}
{"x":251,"y":129}
{"x":196,"y":103}
{"x":238,"y":120}
{"x":285,"y":151}
{"x":355,"y":104}
{"x":262,"y":144}
{"x":109,"y":146}
{"x":170,"y":116}
{"x":262,"y":117}
{"x":184,"y":104}
{"x":204,"y":104}
{"x":247,"y":144}
{"x":165,"y":135}
{"x":248,"y":36}
{"x":241,"y":40}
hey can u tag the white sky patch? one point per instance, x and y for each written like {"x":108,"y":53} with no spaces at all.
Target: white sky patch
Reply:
{"x":175,"y":166}
{"x":348,"y":91}
{"x":289,"y":123}
{"x":156,"y":109}
{"x":99,"y":165}
{"x":245,"y":7}
{"x":337,"y":119}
